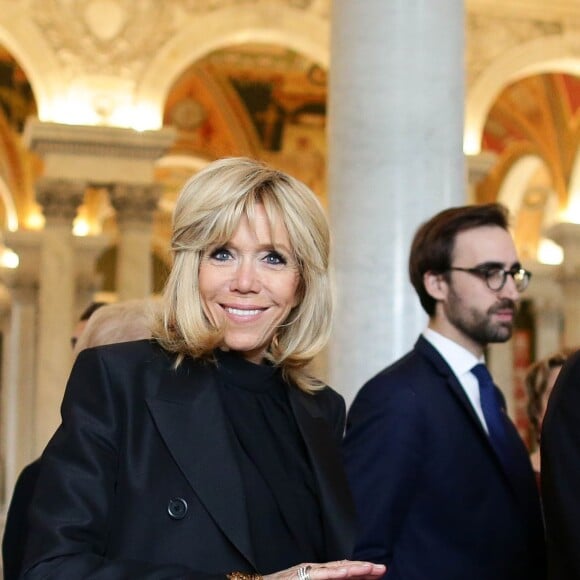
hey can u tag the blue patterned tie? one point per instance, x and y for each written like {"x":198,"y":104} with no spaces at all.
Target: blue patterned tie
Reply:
{"x":508,"y":444}
{"x":504,"y":438}
{"x":492,"y":409}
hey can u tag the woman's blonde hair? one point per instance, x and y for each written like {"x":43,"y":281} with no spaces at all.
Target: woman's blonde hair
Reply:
{"x":207,"y":213}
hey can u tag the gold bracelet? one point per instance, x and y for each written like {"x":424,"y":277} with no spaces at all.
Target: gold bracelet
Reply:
{"x":243,"y":576}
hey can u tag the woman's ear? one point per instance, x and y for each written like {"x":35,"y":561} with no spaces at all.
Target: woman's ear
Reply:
{"x":436,"y":285}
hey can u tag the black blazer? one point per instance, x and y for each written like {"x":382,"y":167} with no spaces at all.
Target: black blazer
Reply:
{"x":560,"y":474}
{"x":141,"y":480}
{"x":16,"y":528}
{"x":432,"y":497}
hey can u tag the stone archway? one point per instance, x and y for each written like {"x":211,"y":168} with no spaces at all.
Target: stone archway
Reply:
{"x":542,"y":55}
{"x":22,"y":39}
{"x":291,"y":28}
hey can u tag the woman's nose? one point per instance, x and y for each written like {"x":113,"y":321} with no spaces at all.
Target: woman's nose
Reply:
{"x":246,"y":277}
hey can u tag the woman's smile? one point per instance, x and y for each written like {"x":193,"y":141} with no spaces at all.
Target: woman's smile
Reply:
{"x":249,"y":285}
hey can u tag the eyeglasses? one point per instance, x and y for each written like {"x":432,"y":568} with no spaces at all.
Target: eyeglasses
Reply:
{"x":495,"y":278}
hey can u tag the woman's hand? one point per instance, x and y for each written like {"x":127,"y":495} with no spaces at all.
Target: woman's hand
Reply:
{"x":331,"y":570}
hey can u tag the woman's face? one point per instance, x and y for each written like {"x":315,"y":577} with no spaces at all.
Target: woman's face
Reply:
{"x":248,"y":287}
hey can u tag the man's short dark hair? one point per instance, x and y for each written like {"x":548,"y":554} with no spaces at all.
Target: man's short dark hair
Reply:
{"x":434,"y":242}
{"x":90,"y":309}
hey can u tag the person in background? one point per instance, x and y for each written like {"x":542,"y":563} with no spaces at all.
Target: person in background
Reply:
{"x":83,"y":320}
{"x":441,"y":479}
{"x":119,"y":322}
{"x":210,"y":451}
{"x":539,"y":381}
{"x":100,"y":323}
{"x":560,"y":480}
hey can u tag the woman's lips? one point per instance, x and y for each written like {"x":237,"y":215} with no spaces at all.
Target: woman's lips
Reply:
{"x":243,"y":312}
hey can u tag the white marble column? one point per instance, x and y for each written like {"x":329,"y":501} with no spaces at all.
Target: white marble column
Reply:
{"x":87,"y":250}
{"x":395,"y":158}
{"x":567,"y":235}
{"x":19,"y":357}
{"x":56,"y":300}
{"x":135,"y":205}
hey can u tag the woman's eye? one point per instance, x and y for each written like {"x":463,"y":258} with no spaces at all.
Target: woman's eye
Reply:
{"x":221,"y":254}
{"x":275,"y":259}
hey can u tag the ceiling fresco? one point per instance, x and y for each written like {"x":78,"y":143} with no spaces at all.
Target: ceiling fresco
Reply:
{"x":17,"y":168}
{"x":269,"y":102}
{"x":538,"y":116}
{"x":16,"y":98}
{"x":257,"y":100}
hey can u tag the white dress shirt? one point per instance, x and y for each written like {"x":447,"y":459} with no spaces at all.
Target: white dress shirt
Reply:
{"x":461,"y":362}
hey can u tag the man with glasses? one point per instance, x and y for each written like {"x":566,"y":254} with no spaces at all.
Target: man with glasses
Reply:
{"x":442,"y":482}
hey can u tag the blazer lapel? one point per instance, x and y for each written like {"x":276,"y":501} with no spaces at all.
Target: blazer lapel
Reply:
{"x":191,"y":421}
{"x":337,"y":506}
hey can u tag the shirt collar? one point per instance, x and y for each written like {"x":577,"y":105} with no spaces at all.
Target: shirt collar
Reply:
{"x":457,"y":357}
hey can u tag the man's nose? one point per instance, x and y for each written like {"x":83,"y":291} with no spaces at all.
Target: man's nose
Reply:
{"x":509,"y":289}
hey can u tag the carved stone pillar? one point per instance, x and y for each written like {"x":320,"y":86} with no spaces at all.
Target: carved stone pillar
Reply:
{"x":567,"y":235}
{"x":546,"y":293}
{"x":56,"y":299}
{"x":478,"y":167}
{"x":87,"y":249}
{"x":74,"y":155}
{"x":19,"y":357}
{"x":135,"y":205}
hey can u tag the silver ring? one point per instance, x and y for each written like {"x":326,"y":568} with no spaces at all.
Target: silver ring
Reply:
{"x":304,"y":573}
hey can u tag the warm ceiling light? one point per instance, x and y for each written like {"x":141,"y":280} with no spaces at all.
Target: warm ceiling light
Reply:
{"x":34,"y":221}
{"x":8,"y":258}
{"x":572,"y":213}
{"x":471,"y":144}
{"x":549,"y":252}
{"x":81,"y":227}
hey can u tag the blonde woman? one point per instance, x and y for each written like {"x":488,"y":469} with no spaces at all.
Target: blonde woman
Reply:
{"x":210,"y":451}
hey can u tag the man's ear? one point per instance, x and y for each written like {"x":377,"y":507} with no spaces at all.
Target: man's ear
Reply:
{"x":435,"y":285}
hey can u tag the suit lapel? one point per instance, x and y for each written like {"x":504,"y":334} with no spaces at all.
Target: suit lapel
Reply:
{"x":335,"y":500}
{"x":191,"y":421}
{"x":517,"y":487}
{"x":430,"y":352}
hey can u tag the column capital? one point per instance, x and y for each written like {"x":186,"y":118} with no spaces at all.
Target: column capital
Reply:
{"x":545,"y":287}
{"x":97,"y":154}
{"x":60,"y":198}
{"x":23,"y":280}
{"x":564,"y":233}
{"x":135,"y":203}
{"x":567,"y":235}
{"x":87,"y":249}
{"x":479,"y":166}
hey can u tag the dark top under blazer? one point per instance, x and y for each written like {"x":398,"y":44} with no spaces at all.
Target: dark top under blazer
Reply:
{"x":432,"y":498}
{"x":141,"y":479}
{"x":560,"y":475}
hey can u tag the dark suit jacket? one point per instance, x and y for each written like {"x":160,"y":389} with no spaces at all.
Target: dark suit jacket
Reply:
{"x":16,"y":529}
{"x":433,"y":500}
{"x":560,"y":475}
{"x":141,"y":480}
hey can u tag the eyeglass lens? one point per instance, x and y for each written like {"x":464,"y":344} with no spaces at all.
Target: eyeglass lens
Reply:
{"x":496,"y":279}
